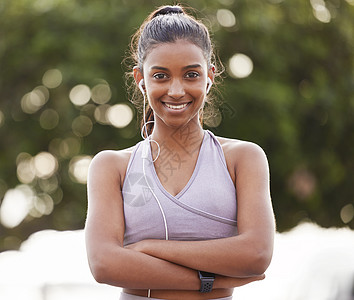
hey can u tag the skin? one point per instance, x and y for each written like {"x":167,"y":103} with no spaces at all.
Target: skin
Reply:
{"x":176,"y":73}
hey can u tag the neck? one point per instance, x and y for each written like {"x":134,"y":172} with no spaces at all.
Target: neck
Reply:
{"x":185,"y":140}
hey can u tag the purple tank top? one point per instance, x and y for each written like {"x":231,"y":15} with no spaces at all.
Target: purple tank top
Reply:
{"x":204,"y":209}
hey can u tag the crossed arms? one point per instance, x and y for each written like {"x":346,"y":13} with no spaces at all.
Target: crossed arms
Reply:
{"x":172,"y":265}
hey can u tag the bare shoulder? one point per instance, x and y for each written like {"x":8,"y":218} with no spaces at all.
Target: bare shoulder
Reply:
{"x":107,"y":156}
{"x":109,"y":163}
{"x":239,"y":152}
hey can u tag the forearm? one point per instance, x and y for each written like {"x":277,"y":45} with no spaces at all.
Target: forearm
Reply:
{"x":131,"y":269}
{"x":233,"y":257}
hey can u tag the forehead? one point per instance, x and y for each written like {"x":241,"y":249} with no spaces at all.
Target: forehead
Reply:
{"x":178,"y":54}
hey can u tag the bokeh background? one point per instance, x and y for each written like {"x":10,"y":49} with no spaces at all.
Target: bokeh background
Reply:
{"x":288,"y":85}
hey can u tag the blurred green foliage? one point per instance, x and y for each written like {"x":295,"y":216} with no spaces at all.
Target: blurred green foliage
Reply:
{"x":298,"y":103}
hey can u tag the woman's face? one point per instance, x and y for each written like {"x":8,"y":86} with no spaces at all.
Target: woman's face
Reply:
{"x":175,"y":77}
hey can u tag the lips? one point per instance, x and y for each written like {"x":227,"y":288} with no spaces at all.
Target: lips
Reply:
{"x":176,"y":106}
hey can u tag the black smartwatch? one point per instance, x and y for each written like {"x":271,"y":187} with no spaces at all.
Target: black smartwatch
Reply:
{"x":206,"y":281}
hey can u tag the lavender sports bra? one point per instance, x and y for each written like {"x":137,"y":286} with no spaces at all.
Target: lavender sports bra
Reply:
{"x":204,"y":209}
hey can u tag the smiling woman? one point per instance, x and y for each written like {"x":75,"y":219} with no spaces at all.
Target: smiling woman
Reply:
{"x":183,"y":214}
{"x":183,"y":28}
{"x":176,"y":89}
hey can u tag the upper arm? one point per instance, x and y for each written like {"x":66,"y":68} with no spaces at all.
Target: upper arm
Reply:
{"x":255,"y":213}
{"x":105,"y":219}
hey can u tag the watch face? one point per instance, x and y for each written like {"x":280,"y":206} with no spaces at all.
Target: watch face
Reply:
{"x":207,"y":274}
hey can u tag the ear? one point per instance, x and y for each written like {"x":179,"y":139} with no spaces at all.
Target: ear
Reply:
{"x":138,"y":75}
{"x":211,"y":73}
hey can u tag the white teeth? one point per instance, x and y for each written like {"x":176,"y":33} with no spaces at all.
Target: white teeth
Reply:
{"x":176,"y":106}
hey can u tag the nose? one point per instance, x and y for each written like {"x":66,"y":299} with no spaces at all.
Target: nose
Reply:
{"x":176,"y":89}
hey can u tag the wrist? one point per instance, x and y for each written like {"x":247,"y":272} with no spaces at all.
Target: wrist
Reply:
{"x":206,"y":281}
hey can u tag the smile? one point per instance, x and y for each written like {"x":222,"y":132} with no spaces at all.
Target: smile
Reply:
{"x":176,"y":107}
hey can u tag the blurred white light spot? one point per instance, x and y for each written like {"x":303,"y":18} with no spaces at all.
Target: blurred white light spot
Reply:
{"x":69,"y":147}
{"x":82,"y":126}
{"x":16,"y":205}
{"x":88,"y":110}
{"x":225,"y":17}
{"x":53,"y":146}
{"x":347,"y":213}
{"x":43,"y":91}
{"x":240,"y":65}
{"x":26,"y":172}
{"x":49,"y":119}
{"x":45,"y":164}
{"x":43,"y":204}
{"x":80,"y":94}
{"x":57,"y":195}
{"x":48,"y":185}
{"x":320,"y":11}
{"x":33,"y":101}
{"x":2,"y":118}
{"x":317,"y":3}
{"x":322,"y":14}
{"x":351,"y":2}
{"x":42,"y":6}
{"x":120,"y":115}
{"x":23,"y":156}
{"x":78,"y":168}
{"x":100,"y":114}
{"x":101,"y":93}
{"x":52,"y":78}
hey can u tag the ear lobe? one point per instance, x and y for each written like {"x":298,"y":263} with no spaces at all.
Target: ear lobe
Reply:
{"x":209,"y":84}
{"x":212,"y":69}
{"x":138,"y":75}
{"x":211,"y":76}
{"x":141,"y":86}
{"x":211,"y":72}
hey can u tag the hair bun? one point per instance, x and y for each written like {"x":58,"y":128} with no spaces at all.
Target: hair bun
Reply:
{"x":165,"y":10}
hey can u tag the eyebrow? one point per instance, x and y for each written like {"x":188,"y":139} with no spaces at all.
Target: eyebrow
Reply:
{"x":184,"y":68}
{"x":192,"y":66}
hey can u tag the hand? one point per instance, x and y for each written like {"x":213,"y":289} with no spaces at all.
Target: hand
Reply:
{"x":232,"y":282}
{"x":138,"y":246}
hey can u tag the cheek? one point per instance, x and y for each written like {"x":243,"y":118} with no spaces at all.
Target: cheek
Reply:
{"x":197,"y":91}
{"x":155,"y":93}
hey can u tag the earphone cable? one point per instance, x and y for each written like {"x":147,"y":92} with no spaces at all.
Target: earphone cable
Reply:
{"x":145,"y":156}
{"x":157,"y":200}
{"x":146,"y":133}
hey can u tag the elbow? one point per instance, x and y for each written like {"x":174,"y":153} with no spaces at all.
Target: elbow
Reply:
{"x":99,"y":275}
{"x":255,"y":261}
{"x":98,"y":270}
{"x":259,"y":261}
{"x":101,"y":270}
{"x":261,"y":264}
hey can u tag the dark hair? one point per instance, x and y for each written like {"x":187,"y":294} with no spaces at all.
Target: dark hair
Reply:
{"x":167,"y":24}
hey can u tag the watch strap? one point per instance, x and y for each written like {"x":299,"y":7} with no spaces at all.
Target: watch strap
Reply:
{"x":206,"y":281}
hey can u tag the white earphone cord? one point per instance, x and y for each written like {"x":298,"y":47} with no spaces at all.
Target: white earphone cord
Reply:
{"x":145,"y":156}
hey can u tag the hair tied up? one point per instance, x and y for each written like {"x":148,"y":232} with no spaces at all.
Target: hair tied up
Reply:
{"x":165,"y":10}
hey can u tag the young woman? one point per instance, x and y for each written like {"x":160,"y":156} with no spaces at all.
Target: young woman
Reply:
{"x":183,"y":214}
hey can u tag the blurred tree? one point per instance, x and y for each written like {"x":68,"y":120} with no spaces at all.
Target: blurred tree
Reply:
{"x":291,"y":91}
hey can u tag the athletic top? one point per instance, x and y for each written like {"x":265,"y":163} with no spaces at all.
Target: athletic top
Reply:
{"x":204,"y":209}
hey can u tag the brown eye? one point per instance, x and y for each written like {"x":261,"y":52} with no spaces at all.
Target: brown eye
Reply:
{"x":192,"y":75}
{"x":160,"y":76}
